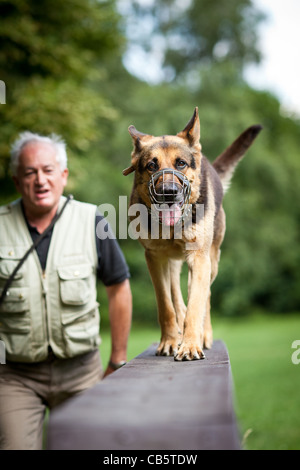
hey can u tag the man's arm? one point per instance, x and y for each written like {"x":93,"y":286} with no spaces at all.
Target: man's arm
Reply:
{"x":120,"y":314}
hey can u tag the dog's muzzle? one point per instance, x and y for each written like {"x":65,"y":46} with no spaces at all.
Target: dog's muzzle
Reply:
{"x":169,"y":192}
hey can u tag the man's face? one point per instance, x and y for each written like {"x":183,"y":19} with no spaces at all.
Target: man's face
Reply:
{"x":39,"y":178}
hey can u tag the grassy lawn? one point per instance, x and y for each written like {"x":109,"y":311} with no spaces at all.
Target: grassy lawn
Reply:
{"x":267,"y":383}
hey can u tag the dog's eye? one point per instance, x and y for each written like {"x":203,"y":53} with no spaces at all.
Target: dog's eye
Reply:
{"x":152,"y":166}
{"x":180,"y":164}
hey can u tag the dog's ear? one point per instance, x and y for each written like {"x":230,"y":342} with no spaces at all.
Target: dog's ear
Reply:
{"x":191,"y":132}
{"x":138,"y":139}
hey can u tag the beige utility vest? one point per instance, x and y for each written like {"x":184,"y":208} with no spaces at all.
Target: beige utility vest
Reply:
{"x":57,"y":307}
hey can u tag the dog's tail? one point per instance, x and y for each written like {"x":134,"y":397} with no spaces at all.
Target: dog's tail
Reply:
{"x":225,"y":164}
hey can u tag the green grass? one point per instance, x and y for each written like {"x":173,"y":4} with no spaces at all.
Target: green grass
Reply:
{"x":266,"y":382}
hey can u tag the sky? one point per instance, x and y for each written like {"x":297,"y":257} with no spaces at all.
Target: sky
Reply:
{"x":279,"y":71}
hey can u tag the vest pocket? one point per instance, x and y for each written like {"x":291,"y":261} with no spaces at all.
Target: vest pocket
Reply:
{"x":79,"y":310}
{"x":15,"y":301}
{"x":15,"y":325}
{"x":75,"y":284}
{"x":9,"y":259}
{"x":81,"y":331}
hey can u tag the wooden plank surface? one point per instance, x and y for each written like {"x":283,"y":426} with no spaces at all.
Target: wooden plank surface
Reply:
{"x":153,"y":403}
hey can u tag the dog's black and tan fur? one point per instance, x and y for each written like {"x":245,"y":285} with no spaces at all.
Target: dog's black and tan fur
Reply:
{"x":186,"y":330}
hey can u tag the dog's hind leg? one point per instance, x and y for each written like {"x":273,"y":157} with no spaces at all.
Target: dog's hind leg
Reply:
{"x":161,"y":278}
{"x":178,"y":302}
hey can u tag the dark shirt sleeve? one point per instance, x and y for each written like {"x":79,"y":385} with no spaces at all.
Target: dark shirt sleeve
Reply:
{"x":112,"y":267}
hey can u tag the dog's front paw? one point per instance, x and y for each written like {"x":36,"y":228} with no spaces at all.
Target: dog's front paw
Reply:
{"x":189,"y":352}
{"x":168,"y":347}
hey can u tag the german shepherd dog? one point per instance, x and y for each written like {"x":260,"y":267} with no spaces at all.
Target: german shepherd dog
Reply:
{"x":172,"y":179}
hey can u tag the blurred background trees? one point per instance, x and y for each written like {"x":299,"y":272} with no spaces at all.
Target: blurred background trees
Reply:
{"x":78,"y":69}
{"x":52,"y":59}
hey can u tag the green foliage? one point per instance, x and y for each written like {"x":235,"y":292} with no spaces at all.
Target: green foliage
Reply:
{"x":52,"y":59}
{"x":189,"y":33}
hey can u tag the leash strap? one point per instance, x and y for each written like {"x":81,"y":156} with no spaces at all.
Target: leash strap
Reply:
{"x":33,"y":247}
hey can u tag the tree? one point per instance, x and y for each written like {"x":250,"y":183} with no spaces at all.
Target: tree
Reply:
{"x":52,"y":60}
{"x":188,"y":33}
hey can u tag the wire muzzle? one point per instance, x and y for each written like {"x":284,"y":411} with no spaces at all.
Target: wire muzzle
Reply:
{"x":169,"y":192}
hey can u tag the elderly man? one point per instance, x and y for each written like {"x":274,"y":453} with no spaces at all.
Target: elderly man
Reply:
{"x":49,"y":319}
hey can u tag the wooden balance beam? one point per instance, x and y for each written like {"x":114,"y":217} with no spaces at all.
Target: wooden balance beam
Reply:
{"x":153,"y":403}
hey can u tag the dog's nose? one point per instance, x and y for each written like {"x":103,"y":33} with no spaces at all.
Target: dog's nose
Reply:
{"x":167,"y":191}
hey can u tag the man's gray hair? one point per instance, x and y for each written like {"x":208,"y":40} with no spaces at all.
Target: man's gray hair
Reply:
{"x":25,"y":137}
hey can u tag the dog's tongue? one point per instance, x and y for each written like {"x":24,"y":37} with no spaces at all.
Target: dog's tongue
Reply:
{"x":170,"y":216}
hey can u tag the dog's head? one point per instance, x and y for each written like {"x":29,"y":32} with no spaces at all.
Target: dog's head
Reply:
{"x":167,"y":170}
